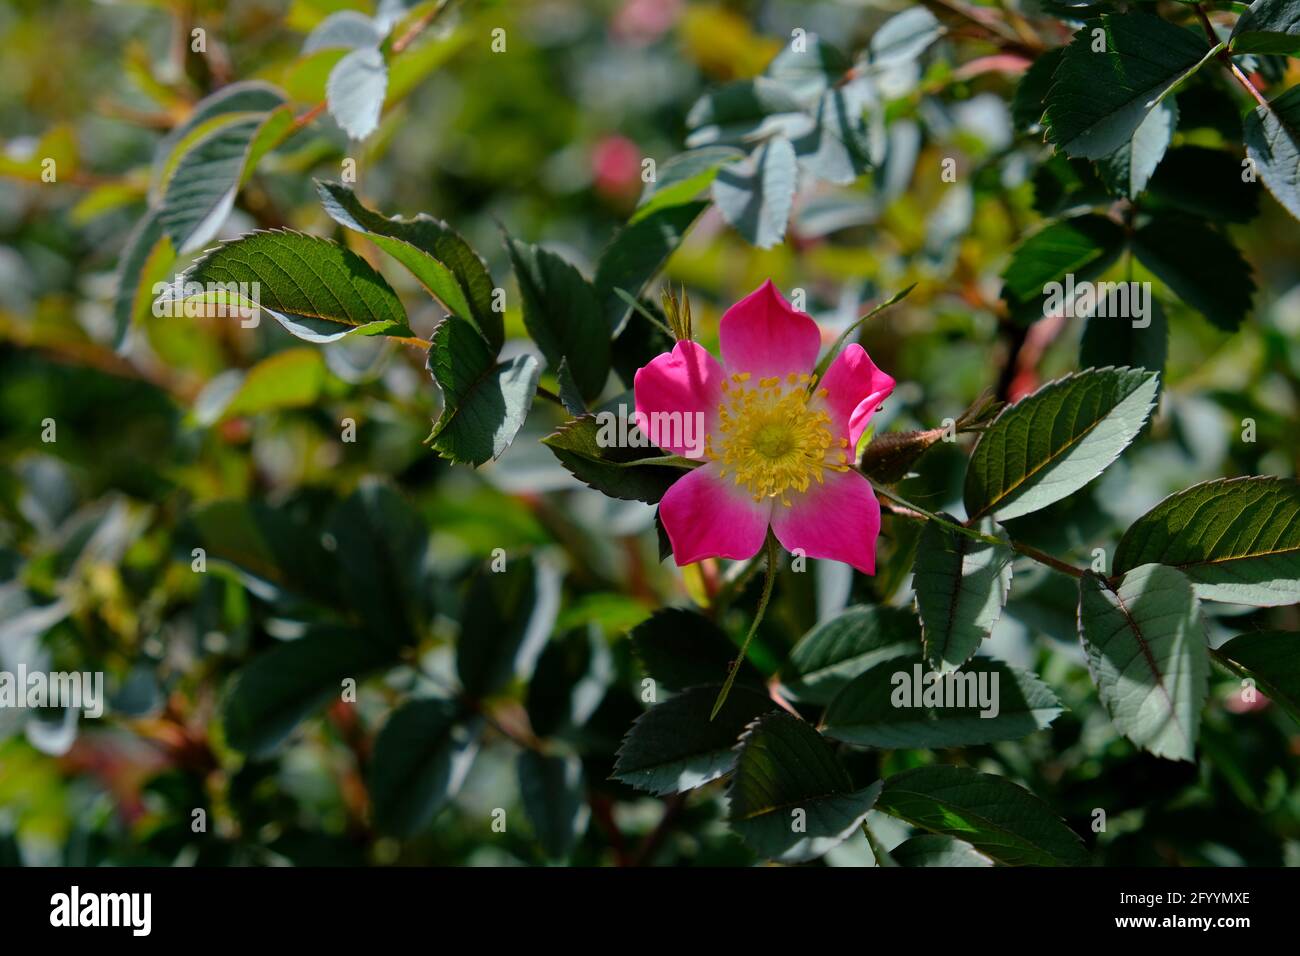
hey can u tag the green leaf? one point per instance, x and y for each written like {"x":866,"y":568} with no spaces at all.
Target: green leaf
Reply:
{"x":1052,"y":443}
{"x":315,"y":288}
{"x":836,"y":651}
{"x":904,"y":37}
{"x":756,"y":195}
{"x":555,"y":800}
{"x":201,"y":191}
{"x":607,"y":467}
{"x":961,"y":587}
{"x":1098,"y":100}
{"x":1179,"y":184}
{"x":637,"y":253}
{"x":289,"y":379}
{"x":1270,"y":658}
{"x":145,"y":262}
{"x":273,"y":548}
{"x":1237,"y":539}
{"x":1083,"y":246}
{"x":1113,"y":340}
{"x":896,"y":705}
{"x":506,"y":621}
{"x":680,"y":648}
{"x":245,"y":97}
{"x":355,"y":91}
{"x":422,"y":755}
{"x":1128,"y":169}
{"x":998,"y":818}
{"x":563,"y":315}
{"x":838,"y":148}
{"x":380,"y":544}
{"x":435,"y":254}
{"x":1269,"y":26}
{"x":484,"y":403}
{"x":791,"y":799}
{"x":1145,"y":642}
{"x":346,"y":29}
{"x":808,"y":69}
{"x":1201,"y":266}
{"x":1273,"y":145}
{"x":674,"y":746}
{"x":681,"y":179}
{"x":1028,"y":103}
{"x":745,"y":111}
{"x":934,"y":849}
{"x":281,"y":687}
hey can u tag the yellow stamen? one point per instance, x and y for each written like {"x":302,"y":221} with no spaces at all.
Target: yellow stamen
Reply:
{"x":772,"y":439}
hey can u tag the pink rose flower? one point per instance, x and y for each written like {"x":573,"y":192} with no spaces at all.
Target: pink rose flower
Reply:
{"x":777,"y":453}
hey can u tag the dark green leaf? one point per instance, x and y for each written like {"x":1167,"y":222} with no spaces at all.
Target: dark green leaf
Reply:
{"x":674,"y":746}
{"x":1128,"y":169}
{"x":933,"y":849}
{"x":422,"y":756}
{"x":271,"y":546}
{"x":836,"y":651}
{"x":1269,"y":26}
{"x":505,"y":623}
{"x":791,"y":799}
{"x":637,"y":254}
{"x":1181,"y":184}
{"x":1200,"y":265}
{"x":484,"y":403}
{"x":555,"y":800}
{"x":680,"y":648}
{"x":961,"y":586}
{"x":1238,"y":539}
{"x":271,"y":695}
{"x":1114,"y":340}
{"x":902,"y":704}
{"x":1146,"y":651}
{"x":563,"y":315}
{"x":1270,"y":658}
{"x":315,"y":288}
{"x":1028,"y":104}
{"x":1083,"y":247}
{"x":381,"y":541}
{"x":1049,"y":445}
{"x":995,"y":816}
{"x":1098,"y":99}
{"x":435,"y":253}
{"x":609,"y":467}
{"x":1273,"y":145}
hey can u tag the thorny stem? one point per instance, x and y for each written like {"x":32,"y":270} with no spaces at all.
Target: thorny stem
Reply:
{"x":768,"y":581}
{"x":916,"y":512}
{"x":1225,"y":57}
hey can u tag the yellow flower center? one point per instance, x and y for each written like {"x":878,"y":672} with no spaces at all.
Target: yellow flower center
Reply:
{"x":775,"y":437}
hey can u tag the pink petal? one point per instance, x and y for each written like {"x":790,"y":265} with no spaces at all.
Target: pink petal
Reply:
{"x":680,"y":383}
{"x":762,"y":335}
{"x":839,"y":520}
{"x":855,"y":390}
{"x":710,"y":517}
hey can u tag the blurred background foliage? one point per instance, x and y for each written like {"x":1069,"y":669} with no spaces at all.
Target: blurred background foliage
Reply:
{"x":153,"y":456}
